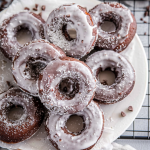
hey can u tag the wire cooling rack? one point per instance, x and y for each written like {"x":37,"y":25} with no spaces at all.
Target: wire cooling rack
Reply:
{"x":140,"y":128}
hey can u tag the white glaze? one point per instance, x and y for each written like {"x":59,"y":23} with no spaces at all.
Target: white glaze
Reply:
{"x":112,"y":40}
{"x":77,"y":20}
{"x":51,"y":78}
{"x":125,"y":78}
{"x":33,"y":49}
{"x":8,"y":40}
{"x":93,"y":118}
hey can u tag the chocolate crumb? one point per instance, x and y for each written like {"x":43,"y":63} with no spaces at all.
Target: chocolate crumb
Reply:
{"x":43,"y":7}
{"x":141,"y":19}
{"x":35,"y":9}
{"x":145,"y":21}
{"x":8,"y":83}
{"x":147,"y":8}
{"x":123,"y":114}
{"x":146,"y":13}
{"x":67,"y":16}
{"x":144,"y":33}
{"x":36,"y":5}
{"x":26,"y":8}
{"x":130,"y":108}
{"x":40,"y":14}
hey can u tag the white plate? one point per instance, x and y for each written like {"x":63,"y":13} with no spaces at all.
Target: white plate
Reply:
{"x":135,"y":53}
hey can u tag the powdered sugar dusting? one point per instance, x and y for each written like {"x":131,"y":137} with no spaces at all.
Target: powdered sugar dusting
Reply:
{"x":38,"y":51}
{"x":71,"y":15}
{"x":93,"y":119}
{"x":31,"y":118}
{"x":9,"y":27}
{"x":51,"y":77}
{"x":122,"y":18}
{"x":125,"y":75}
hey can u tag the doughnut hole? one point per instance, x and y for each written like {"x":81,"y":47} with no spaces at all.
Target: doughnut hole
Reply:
{"x":75,"y":124}
{"x":108,"y":26}
{"x":69,"y":32}
{"x":14,"y":112}
{"x":110,"y":23}
{"x":34,"y":67}
{"x":69,"y":87}
{"x":23,"y":34}
{"x":107,"y":77}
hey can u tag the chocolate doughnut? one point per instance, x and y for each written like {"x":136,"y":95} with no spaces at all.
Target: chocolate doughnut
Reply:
{"x":14,"y":131}
{"x":124,"y":21}
{"x":30,"y":60}
{"x":66,"y":85}
{"x":76,"y":17}
{"x":10,"y":27}
{"x":63,"y":139}
{"x":124,"y":75}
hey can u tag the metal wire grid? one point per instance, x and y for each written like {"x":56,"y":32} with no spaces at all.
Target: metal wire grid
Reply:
{"x":140,"y":128}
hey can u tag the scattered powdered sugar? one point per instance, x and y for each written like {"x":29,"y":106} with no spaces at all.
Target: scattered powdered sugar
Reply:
{"x":37,"y":51}
{"x":125,"y":75}
{"x":27,"y":125}
{"x":122,"y":18}
{"x":71,"y":15}
{"x":15,"y":97}
{"x":93,"y":129}
{"x":9,"y":27}
{"x":52,"y":76}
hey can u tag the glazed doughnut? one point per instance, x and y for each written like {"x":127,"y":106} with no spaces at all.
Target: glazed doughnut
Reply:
{"x":76,"y":17}
{"x":63,"y":139}
{"x":14,"y":131}
{"x":124,"y":75}
{"x":30,"y":60}
{"x":66,"y":85}
{"x":10,"y":27}
{"x":124,"y":21}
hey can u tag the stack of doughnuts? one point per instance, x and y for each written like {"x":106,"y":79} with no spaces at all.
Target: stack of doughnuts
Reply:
{"x":53,"y":82}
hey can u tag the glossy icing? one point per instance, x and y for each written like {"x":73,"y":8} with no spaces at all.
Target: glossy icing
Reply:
{"x":10,"y":26}
{"x":124,"y":81}
{"x":39,"y":52}
{"x":51,"y":78}
{"x":93,"y":119}
{"x":122,"y":18}
{"x":77,"y":18}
